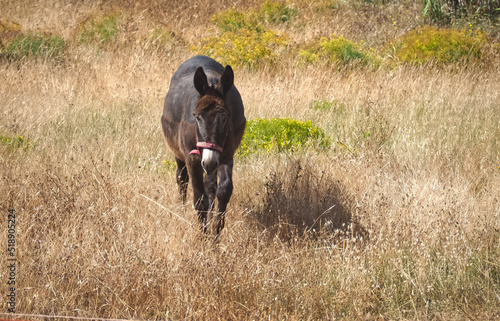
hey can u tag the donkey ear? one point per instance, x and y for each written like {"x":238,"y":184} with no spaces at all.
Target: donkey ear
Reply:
{"x":200,"y":81}
{"x":226,"y":80}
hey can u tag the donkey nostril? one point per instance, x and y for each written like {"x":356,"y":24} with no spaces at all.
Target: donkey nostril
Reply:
{"x":209,"y":167}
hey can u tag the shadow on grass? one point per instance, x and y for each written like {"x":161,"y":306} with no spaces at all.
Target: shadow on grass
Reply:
{"x":302,"y":199}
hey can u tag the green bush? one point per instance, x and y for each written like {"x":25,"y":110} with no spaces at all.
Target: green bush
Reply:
{"x":434,"y":10}
{"x":9,"y":30}
{"x":232,"y":20}
{"x":162,"y":39}
{"x":16,"y":45}
{"x":246,"y":47}
{"x":160,"y":36}
{"x":321,"y":105}
{"x":443,"y":10}
{"x":334,"y":105}
{"x":271,"y":12}
{"x":281,"y":134}
{"x":14,"y":142}
{"x":35,"y":46}
{"x":167,"y":167}
{"x":276,"y":12}
{"x":337,"y":49}
{"x":243,"y":40}
{"x":430,"y":44}
{"x":99,"y":30}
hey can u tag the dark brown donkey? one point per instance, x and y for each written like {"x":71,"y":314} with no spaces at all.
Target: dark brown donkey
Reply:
{"x":203,"y":122}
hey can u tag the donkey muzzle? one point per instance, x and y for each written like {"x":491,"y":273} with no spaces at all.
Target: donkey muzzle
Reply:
{"x":210,"y":160}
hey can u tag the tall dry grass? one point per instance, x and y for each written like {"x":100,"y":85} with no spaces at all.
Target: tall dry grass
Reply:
{"x":399,"y":219}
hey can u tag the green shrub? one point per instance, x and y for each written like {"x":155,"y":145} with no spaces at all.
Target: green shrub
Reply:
{"x":9,"y":30}
{"x":232,"y":20}
{"x":243,"y":40}
{"x":334,"y":105}
{"x":163,"y":39}
{"x":439,"y":45}
{"x":276,"y":12}
{"x":321,"y":105}
{"x":271,"y":12}
{"x":99,"y":30}
{"x":160,"y":36}
{"x":281,"y":134}
{"x":443,"y":10}
{"x":434,"y":10}
{"x":246,"y":47}
{"x":14,"y":142}
{"x":35,"y":46}
{"x":167,"y":167}
{"x":337,"y":49}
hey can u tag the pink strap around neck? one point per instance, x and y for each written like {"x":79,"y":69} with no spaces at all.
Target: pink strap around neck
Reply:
{"x":209,"y":146}
{"x":205,"y":145}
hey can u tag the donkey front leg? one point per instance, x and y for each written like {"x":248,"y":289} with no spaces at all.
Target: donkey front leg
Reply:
{"x":200,"y":198}
{"x":224,"y":192}
{"x":211,"y":188}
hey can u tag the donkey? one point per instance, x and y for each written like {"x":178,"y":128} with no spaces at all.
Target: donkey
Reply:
{"x":203,"y":122}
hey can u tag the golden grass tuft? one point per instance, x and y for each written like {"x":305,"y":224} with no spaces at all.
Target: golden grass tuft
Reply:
{"x":398,"y":219}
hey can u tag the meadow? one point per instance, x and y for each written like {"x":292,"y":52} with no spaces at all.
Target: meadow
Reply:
{"x":389,"y":211}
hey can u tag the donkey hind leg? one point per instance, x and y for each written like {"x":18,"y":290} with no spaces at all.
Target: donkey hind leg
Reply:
{"x":182,"y":179}
{"x":224,"y":192}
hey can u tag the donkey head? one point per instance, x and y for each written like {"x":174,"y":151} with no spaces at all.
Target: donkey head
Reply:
{"x":212,"y":116}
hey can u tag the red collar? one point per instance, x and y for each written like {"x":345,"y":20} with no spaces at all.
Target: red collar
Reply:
{"x":205,"y":145}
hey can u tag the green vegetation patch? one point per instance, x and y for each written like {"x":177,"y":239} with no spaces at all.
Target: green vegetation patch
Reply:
{"x":445,"y":10}
{"x":14,"y":142}
{"x":245,"y":48}
{"x":232,"y":20}
{"x":431,"y":44}
{"x":161,"y":37}
{"x":337,"y":49}
{"x":9,"y":30}
{"x":100,"y":30}
{"x":35,"y":46}
{"x":283,"y":134}
{"x":244,"y":40}
{"x":276,"y":12}
{"x":335,"y":105}
{"x":271,"y":12}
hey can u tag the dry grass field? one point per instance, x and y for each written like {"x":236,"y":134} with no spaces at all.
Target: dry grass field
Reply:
{"x":398,"y":219}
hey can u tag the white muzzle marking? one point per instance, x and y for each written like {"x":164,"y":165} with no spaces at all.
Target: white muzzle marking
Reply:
{"x":209,"y":160}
